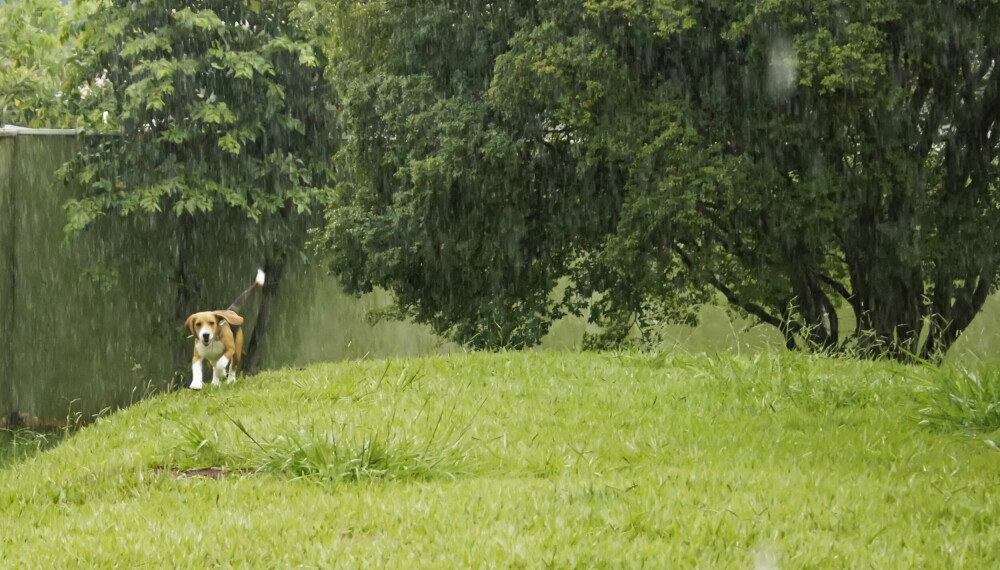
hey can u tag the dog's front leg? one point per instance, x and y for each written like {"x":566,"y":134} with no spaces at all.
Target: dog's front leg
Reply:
{"x":219,"y":370}
{"x":196,"y":373}
{"x":228,"y":356}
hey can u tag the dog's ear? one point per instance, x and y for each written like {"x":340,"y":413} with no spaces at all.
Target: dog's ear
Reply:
{"x":189,"y":324}
{"x":230,"y":317}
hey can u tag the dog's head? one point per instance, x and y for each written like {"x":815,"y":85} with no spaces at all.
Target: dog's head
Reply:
{"x":205,"y":325}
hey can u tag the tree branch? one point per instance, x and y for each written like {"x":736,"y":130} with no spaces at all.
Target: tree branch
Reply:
{"x":786,"y":326}
{"x":836,"y":286}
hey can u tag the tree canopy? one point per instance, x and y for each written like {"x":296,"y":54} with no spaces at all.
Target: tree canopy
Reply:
{"x":32,"y":62}
{"x":466,"y":221}
{"x":214,"y":112}
{"x":212,"y":105}
{"x":496,"y":165}
{"x":796,"y":158}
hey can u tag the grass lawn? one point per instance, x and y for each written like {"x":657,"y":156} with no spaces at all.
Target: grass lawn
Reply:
{"x":530,"y":459}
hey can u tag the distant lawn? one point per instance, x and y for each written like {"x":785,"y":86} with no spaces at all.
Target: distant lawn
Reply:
{"x":518,"y":460}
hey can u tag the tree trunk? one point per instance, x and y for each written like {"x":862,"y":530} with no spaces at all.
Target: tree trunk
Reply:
{"x":953,"y":311}
{"x":273,"y":270}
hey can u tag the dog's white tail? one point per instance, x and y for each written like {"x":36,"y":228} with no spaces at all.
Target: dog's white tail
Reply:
{"x":257,"y":284}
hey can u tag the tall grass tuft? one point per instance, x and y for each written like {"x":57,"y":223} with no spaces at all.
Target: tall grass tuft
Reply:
{"x":17,"y":444}
{"x":959,"y":398}
{"x":321,"y":455}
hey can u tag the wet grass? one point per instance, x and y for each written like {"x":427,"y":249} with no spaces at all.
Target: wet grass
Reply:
{"x":17,"y":444}
{"x":956,"y":397}
{"x":519,"y":460}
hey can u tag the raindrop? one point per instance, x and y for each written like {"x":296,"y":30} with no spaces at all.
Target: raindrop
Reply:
{"x":781,"y":72}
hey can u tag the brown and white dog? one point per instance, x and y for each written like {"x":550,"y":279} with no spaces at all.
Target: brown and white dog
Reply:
{"x":218,"y":338}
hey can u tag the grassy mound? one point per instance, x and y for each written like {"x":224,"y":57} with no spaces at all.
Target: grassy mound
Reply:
{"x":521,"y":459}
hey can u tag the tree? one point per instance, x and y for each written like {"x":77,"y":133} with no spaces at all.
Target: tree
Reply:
{"x":32,"y":62}
{"x":793,"y":157}
{"x":464,"y":221}
{"x":210,"y":107}
{"x":870,"y":181}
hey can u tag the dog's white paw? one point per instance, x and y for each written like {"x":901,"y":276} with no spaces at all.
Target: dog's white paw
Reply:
{"x":195,"y":375}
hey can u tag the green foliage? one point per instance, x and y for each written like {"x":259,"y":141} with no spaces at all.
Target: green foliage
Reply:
{"x":468,"y":217}
{"x":33,"y":60}
{"x":210,"y":105}
{"x":794,"y":158}
{"x":953,"y":398}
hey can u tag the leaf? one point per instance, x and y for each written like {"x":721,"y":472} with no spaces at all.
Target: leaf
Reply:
{"x":202,"y":19}
{"x":230,"y":144}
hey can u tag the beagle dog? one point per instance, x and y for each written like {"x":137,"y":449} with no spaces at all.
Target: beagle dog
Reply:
{"x":218,"y":338}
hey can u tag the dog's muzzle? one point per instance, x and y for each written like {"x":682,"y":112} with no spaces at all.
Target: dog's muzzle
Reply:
{"x":206,"y":338}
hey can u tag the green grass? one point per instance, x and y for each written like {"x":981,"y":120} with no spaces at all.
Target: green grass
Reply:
{"x":519,"y":460}
{"x":20,"y":443}
{"x":962,"y":398}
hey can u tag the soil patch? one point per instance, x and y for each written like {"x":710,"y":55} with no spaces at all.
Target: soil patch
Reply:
{"x":207,"y":473}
